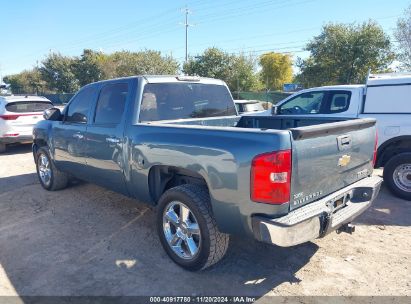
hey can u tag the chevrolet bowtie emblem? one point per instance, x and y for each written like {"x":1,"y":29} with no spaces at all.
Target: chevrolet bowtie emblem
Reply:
{"x":344,"y":160}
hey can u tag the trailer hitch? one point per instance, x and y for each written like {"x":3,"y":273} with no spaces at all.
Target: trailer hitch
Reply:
{"x":347,"y":228}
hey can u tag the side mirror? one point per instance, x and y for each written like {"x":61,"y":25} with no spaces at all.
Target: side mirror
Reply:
{"x":52,"y":114}
{"x":78,"y":117}
{"x":274,"y":110}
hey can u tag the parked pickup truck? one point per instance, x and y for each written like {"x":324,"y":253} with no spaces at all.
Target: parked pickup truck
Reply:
{"x":385,"y":97}
{"x":177,"y":143}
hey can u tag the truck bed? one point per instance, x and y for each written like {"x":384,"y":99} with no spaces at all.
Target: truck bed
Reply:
{"x":256,"y":122}
{"x":327,"y":153}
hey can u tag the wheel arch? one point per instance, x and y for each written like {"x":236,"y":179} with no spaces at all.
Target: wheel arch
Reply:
{"x":37,"y":144}
{"x":392,"y":147}
{"x":163,"y":177}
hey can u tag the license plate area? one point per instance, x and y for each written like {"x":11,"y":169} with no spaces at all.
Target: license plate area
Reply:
{"x":339,"y":202}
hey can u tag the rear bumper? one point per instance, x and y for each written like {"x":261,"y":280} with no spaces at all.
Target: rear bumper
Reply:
{"x":318,"y":218}
{"x":16,"y":139}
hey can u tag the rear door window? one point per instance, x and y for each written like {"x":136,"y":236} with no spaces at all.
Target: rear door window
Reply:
{"x":28,"y":106}
{"x":339,"y":101}
{"x":111,"y":103}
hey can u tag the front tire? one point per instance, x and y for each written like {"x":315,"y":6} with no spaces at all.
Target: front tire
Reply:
{"x":49,"y":176}
{"x":187,"y":229}
{"x":397,"y":175}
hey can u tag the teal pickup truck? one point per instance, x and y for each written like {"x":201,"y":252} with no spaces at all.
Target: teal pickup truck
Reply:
{"x":177,"y":143}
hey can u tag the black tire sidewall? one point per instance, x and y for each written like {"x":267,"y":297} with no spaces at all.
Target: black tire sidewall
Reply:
{"x":389,"y":169}
{"x":175,"y":194}
{"x":45,"y":152}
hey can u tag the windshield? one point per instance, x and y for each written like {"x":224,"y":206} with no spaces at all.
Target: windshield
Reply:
{"x":170,"y":101}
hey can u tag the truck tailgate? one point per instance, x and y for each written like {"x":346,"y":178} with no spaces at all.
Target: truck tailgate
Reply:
{"x":328,"y":157}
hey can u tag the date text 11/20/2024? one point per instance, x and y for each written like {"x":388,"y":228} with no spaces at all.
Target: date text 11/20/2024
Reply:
{"x":202,"y":299}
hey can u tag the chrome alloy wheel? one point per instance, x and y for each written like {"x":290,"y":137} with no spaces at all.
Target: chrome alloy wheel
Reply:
{"x":402,"y":177}
{"x":44,"y":169}
{"x":180,"y":227}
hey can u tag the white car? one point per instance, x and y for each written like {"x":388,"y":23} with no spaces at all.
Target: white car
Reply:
{"x":386,"y":97}
{"x":18,"y":115}
{"x":252,"y":107}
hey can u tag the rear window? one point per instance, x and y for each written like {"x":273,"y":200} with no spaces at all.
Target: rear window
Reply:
{"x":28,"y":106}
{"x":170,"y":101}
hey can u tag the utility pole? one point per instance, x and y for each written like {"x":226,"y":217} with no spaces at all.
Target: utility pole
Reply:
{"x":186,"y":24}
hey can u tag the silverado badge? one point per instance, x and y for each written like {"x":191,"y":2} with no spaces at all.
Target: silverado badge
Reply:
{"x":344,"y":160}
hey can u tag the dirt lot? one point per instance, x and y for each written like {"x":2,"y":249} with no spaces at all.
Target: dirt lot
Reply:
{"x":86,"y":240}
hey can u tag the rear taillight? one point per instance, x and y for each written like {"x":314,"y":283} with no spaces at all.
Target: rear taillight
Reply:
{"x":271,"y":177}
{"x":9,"y":117}
{"x":375,"y":150}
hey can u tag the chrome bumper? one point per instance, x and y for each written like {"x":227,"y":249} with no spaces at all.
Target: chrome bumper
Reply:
{"x":318,"y":218}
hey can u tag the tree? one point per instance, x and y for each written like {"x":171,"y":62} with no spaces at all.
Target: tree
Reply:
{"x":58,"y":72}
{"x":89,"y":67}
{"x":146,"y":62}
{"x":276,"y":69}
{"x":343,"y":54}
{"x":403,"y":35}
{"x":26,"y":82}
{"x":238,"y":71}
{"x":242,"y":74}
{"x":213,"y":63}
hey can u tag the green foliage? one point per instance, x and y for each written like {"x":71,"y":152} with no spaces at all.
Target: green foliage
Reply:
{"x":276,"y":70}
{"x":243,"y":76}
{"x":213,"y":63}
{"x":238,"y":71}
{"x":343,"y":54}
{"x":89,"y":67}
{"x":63,"y":74}
{"x":403,"y":35}
{"x":28,"y":81}
{"x":59,"y":73}
{"x":143,"y":63}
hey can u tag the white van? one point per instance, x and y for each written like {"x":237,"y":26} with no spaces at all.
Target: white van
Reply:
{"x":18,"y":115}
{"x":386,"y":97}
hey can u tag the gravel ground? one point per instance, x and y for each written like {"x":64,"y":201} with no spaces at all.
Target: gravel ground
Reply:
{"x":86,"y":240}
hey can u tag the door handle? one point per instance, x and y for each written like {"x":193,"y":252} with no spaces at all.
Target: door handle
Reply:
{"x":112,"y":140}
{"x":78,"y":135}
{"x":344,"y":142}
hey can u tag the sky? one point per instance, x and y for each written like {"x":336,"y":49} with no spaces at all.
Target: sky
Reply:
{"x":30,"y":29}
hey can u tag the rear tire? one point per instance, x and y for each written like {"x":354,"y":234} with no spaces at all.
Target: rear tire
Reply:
{"x":397,"y":175}
{"x":49,"y":176}
{"x":192,"y":241}
{"x":2,"y":148}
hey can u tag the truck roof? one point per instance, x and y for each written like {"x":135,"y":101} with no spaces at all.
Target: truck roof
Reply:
{"x":339,"y":87}
{"x":389,"y":79}
{"x":181,"y":78}
{"x":172,"y":78}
